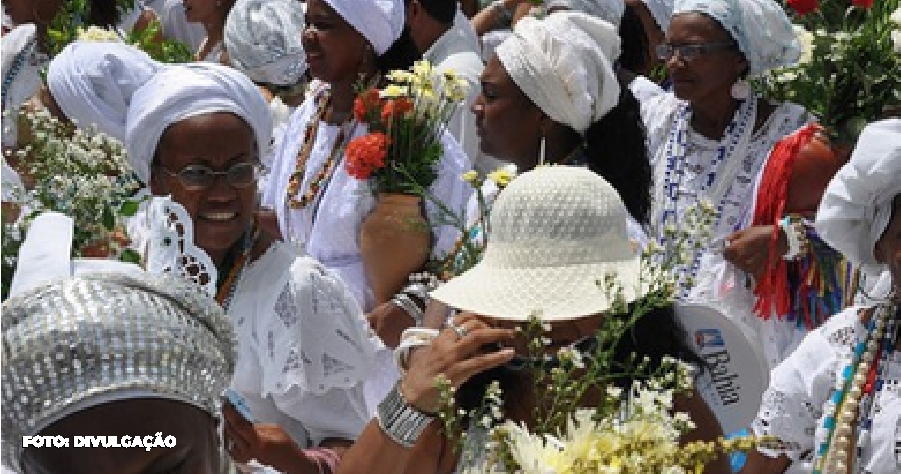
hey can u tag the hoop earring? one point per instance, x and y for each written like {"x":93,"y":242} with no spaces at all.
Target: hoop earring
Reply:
{"x":740,"y":89}
{"x":541,"y":151}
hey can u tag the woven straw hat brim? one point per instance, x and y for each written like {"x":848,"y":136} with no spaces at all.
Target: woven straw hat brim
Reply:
{"x":558,"y":293}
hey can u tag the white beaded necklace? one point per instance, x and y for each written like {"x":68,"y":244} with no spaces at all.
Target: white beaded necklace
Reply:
{"x":853,"y":395}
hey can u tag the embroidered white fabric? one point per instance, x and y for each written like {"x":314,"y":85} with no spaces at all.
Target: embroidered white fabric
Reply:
{"x":304,"y":347}
{"x":659,"y":115}
{"x":328,"y":229}
{"x":170,"y":245}
{"x":792,"y":406}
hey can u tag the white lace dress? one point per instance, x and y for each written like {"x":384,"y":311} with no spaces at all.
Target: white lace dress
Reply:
{"x":712,"y":169}
{"x":328,"y":229}
{"x":792,"y":406}
{"x":304,"y":348}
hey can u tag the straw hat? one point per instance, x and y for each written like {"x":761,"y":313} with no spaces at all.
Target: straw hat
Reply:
{"x":555,"y":233}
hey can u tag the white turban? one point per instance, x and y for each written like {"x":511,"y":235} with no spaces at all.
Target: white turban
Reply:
{"x":857,"y":204}
{"x":607,"y":10}
{"x":760,"y":27}
{"x":564,"y":64}
{"x":183,"y":91}
{"x":661,"y":10}
{"x":93,"y":83}
{"x":379,"y":21}
{"x":263,"y":37}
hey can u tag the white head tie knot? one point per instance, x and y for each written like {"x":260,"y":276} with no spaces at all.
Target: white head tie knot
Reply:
{"x":564,"y":64}
{"x":263,"y":37}
{"x":380,"y":21}
{"x":607,"y":10}
{"x":760,"y":27}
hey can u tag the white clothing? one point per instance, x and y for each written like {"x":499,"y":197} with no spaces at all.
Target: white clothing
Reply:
{"x":793,"y":405}
{"x":328,"y":229}
{"x":22,"y":64}
{"x":644,"y":89}
{"x":175,"y":23}
{"x":304,"y":347}
{"x":457,"y":50}
{"x":701,"y":153}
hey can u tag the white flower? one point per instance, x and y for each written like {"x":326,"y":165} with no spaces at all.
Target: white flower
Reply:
{"x":896,"y":38}
{"x":896,"y":17}
{"x":805,"y":39}
{"x":97,"y":34}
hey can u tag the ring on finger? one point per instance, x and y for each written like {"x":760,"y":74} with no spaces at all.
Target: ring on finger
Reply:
{"x":461,"y":331}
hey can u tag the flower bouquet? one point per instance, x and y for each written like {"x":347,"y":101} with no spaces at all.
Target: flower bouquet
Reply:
{"x":850,"y":69}
{"x":78,"y":172}
{"x":399,"y":158}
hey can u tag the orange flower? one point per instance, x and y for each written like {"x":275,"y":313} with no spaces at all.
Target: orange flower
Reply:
{"x":359,"y":109}
{"x":365,"y":102}
{"x":399,"y":107}
{"x":366,"y":154}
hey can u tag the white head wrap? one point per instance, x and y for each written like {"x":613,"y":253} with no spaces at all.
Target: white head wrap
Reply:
{"x":608,"y":10}
{"x":180,"y":92}
{"x":564,"y":64}
{"x":760,"y":27}
{"x":379,"y":21}
{"x":857,"y":205}
{"x":661,"y":10}
{"x":262,"y":38}
{"x":93,"y":82}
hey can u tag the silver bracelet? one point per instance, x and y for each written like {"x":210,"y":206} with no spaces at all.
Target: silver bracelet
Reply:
{"x":400,"y":421}
{"x":403,"y":301}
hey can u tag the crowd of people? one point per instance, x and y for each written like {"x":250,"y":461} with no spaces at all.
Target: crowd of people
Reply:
{"x":276,"y":354}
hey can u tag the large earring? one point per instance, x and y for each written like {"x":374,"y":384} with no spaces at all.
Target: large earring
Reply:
{"x":541,"y":150}
{"x":740,"y":89}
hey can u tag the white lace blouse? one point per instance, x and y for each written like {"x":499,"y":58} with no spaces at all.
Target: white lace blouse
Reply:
{"x":735,"y":176}
{"x":792,"y":406}
{"x":328,"y":228}
{"x":304,"y":348}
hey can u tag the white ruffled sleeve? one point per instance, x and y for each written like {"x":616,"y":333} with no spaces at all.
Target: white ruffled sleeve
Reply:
{"x":792,"y":406}
{"x":316,"y":352}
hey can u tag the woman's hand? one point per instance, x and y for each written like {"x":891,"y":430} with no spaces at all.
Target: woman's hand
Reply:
{"x":267,"y":443}
{"x":749,"y":249}
{"x":457,"y":353}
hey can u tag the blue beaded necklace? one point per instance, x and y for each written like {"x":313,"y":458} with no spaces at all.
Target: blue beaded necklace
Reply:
{"x":737,"y":135}
{"x":14,"y":69}
{"x":853,"y":395}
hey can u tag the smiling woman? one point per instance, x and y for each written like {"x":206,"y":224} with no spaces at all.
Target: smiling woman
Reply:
{"x":195,"y":132}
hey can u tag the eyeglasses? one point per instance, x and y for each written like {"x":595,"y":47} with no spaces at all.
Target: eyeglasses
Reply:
{"x":200,"y":177}
{"x":689,"y":52}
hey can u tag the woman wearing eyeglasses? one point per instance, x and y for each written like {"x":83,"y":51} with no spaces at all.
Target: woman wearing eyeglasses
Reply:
{"x":711,"y":136}
{"x":195,"y":133}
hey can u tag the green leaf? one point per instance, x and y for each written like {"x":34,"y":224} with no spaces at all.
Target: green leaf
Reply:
{"x":128,"y":208}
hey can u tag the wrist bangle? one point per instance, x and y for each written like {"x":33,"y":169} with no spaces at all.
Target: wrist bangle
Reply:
{"x":399,"y":420}
{"x":796,"y":235}
{"x":403,"y":301}
{"x":410,"y":339}
{"x":499,"y":7}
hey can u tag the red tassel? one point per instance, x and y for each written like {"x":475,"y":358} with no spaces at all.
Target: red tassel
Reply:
{"x":772,"y":290}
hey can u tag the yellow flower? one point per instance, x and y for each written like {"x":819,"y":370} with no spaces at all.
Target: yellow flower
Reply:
{"x":501,"y":177}
{"x":96,"y":34}
{"x":393,"y":91}
{"x":400,"y":76}
{"x":422,"y":68}
{"x":805,"y":38}
{"x":470,"y":176}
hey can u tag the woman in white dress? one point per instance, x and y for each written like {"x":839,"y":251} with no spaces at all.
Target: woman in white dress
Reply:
{"x":211,"y":14}
{"x":323,"y":210}
{"x":529,"y":114}
{"x":710,"y":137}
{"x":834,"y":405}
{"x":195,"y":132}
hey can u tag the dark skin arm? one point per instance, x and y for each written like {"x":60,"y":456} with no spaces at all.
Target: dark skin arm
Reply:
{"x":749,"y":249}
{"x":271,"y":445}
{"x":458,"y":359}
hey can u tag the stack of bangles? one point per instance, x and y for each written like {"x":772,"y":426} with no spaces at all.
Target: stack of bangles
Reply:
{"x":414,"y":298}
{"x":796,"y":234}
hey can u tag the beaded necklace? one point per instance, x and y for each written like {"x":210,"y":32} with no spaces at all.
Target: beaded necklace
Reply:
{"x":17,"y":64}
{"x":737,"y":135}
{"x":853,"y":395}
{"x":229,"y":285}
{"x":295,"y":182}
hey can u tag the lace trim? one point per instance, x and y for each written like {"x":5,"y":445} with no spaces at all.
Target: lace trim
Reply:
{"x":171,"y":246}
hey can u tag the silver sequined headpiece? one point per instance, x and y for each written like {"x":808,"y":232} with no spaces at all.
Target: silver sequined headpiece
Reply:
{"x":79,"y":342}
